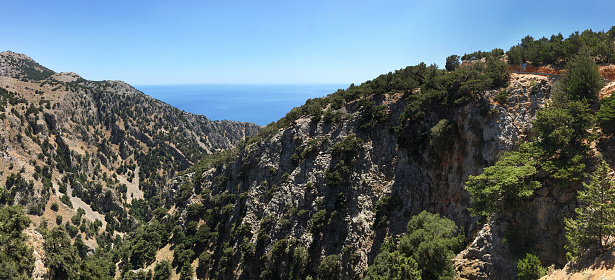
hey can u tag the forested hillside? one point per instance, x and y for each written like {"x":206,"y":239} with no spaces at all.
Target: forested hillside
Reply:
{"x":92,"y":157}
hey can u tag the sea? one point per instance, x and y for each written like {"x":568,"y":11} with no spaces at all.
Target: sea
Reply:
{"x":257,"y":103}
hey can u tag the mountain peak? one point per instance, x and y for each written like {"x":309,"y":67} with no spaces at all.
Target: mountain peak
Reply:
{"x":23,"y":67}
{"x":67,"y":77}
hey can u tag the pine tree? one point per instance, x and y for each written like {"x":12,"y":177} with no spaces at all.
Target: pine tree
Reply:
{"x":16,"y":259}
{"x":595,"y":220}
{"x":582,"y":81}
{"x":503,"y":186}
{"x":452,"y":63}
{"x":529,"y":268}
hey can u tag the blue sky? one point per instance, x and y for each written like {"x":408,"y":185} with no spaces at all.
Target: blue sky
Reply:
{"x":293,"y":41}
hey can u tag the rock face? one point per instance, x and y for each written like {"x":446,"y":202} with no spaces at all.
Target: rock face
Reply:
{"x":541,"y":225}
{"x":310,"y":168}
{"x":36,"y":242}
{"x":487,"y":257}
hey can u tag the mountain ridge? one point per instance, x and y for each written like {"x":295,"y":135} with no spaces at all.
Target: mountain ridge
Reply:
{"x":98,"y":146}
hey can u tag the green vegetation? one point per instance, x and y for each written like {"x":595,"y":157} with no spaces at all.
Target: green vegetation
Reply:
{"x":207,"y":223}
{"x":452,"y":63}
{"x":563,"y":132}
{"x":562,"y":129}
{"x":502,"y":97}
{"x":329,"y":268}
{"x":529,"y":268}
{"x":561,"y":139}
{"x":425,"y":252}
{"x":30,"y":69}
{"x":558,"y":50}
{"x":504,"y":185}
{"x":595,"y":221}
{"x":16,"y":257}
{"x":62,"y":259}
{"x":286,"y":260}
{"x":371,"y":114}
{"x":66,"y":200}
{"x":348,"y":147}
{"x":477,"y":55}
{"x":582,"y":81}
{"x":606,"y":115}
{"x":443,"y":135}
{"x":560,"y":145}
{"x":497,"y":71}
{"x":319,"y":221}
{"x":383,"y":207}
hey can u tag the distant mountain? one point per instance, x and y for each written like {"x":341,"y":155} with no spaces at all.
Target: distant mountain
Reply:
{"x":103,"y":143}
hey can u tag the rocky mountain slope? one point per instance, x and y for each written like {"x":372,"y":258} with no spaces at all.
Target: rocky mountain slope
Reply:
{"x":102,"y":146}
{"x":342,"y":184}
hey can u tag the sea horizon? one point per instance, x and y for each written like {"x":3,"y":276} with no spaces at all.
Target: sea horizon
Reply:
{"x":257,"y":103}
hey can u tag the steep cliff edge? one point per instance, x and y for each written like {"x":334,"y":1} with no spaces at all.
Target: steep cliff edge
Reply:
{"x":337,"y":189}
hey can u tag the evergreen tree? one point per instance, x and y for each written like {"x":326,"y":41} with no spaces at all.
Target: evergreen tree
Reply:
{"x":452,"y":62}
{"x":582,"y":81}
{"x":562,"y":134}
{"x":431,"y":241}
{"x":16,"y":259}
{"x":497,"y":71}
{"x":393,"y":265}
{"x":329,"y":268}
{"x":529,"y":268}
{"x":503,"y":185}
{"x":162,"y":270}
{"x":424,"y":253}
{"x":606,"y":115}
{"x":62,"y":259}
{"x":595,"y":220}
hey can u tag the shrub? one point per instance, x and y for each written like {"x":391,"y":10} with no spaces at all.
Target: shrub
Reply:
{"x":66,"y":200}
{"x":347,"y":148}
{"x":502,"y":97}
{"x":319,"y":220}
{"x":329,"y":268}
{"x":424,"y":253}
{"x":529,"y":268}
{"x":443,"y":135}
{"x":162,"y":270}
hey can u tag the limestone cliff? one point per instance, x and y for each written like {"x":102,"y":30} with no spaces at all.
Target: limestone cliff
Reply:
{"x":338,"y":189}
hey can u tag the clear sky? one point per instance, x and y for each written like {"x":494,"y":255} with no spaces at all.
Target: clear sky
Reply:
{"x":290,"y":41}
